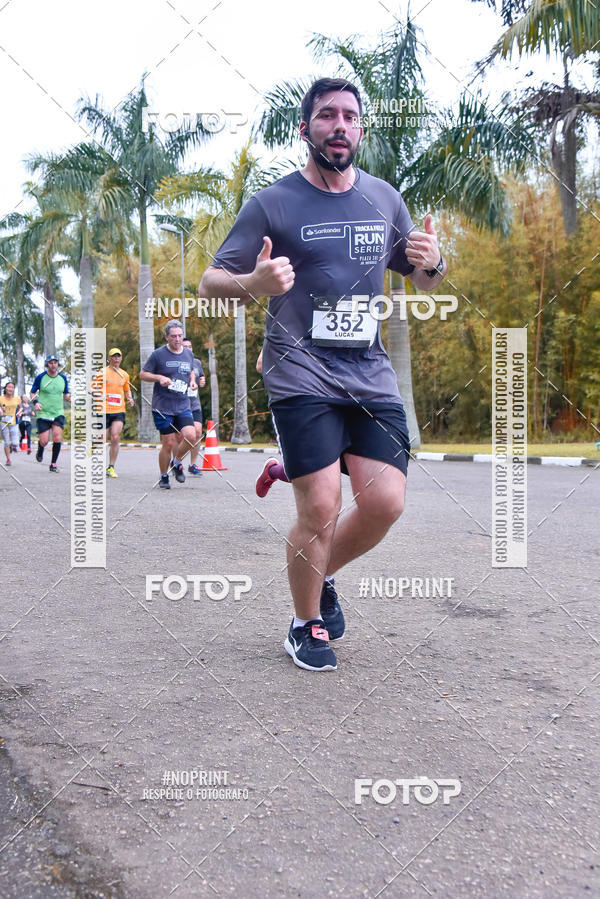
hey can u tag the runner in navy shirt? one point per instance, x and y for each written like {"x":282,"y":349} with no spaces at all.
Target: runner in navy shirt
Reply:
{"x":318,"y":242}
{"x":171,"y":369}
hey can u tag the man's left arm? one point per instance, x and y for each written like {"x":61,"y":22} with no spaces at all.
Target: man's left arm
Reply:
{"x":423,"y":252}
{"x":66,"y":393}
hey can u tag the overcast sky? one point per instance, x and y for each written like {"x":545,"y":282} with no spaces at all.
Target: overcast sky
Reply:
{"x":203,"y":56}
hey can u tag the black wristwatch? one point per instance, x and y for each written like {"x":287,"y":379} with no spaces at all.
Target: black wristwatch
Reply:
{"x":432,"y":272}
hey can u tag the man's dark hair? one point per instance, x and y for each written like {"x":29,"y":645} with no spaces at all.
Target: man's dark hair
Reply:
{"x":323,"y":86}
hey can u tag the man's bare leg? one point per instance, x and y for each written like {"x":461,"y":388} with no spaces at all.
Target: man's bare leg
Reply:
{"x":378,"y":490}
{"x":115,"y":433}
{"x":318,"y":499}
{"x":196,"y":445}
{"x":168,"y":443}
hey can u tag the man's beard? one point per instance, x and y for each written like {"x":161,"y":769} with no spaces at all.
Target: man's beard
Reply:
{"x":318,"y":154}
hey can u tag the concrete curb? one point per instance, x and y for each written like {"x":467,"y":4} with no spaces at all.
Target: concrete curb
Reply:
{"x":570,"y":461}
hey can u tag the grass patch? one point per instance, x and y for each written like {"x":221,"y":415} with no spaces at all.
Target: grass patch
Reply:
{"x":533,"y":449}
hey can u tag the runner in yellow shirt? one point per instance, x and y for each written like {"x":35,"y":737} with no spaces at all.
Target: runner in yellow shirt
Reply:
{"x":118,"y":389}
{"x":10,"y":403}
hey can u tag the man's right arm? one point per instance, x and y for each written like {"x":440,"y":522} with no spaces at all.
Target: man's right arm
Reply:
{"x":271,"y":277}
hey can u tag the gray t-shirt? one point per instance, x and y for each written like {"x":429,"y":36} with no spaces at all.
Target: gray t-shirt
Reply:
{"x":340,"y":245}
{"x":193,"y":394}
{"x":171,"y":400}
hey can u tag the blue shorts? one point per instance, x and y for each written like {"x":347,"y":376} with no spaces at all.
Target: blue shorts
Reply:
{"x":315,"y":431}
{"x":167,"y":423}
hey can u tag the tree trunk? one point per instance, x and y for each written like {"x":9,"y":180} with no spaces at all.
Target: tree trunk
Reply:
{"x":241,"y":432}
{"x":49,"y":336}
{"x":85,"y":289}
{"x":146,"y":428}
{"x":399,"y":352}
{"x":214,"y":382}
{"x":538,"y":335}
{"x":20,"y":366}
{"x":564,"y":158}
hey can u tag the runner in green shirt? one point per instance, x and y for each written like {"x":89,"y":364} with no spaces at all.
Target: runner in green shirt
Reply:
{"x":48,"y":393}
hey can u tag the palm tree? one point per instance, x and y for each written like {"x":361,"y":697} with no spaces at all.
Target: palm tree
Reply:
{"x":458,"y":156}
{"x":20,"y":323}
{"x":84,"y":197}
{"x":222,"y":197}
{"x":143,"y":159}
{"x":33,"y":265}
{"x":570,"y":28}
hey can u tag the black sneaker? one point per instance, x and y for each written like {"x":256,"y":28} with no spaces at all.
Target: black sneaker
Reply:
{"x":39,"y":456}
{"x":164,"y":482}
{"x":309,"y":647}
{"x":331,"y":612}
{"x":179,"y":474}
{"x":53,"y":468}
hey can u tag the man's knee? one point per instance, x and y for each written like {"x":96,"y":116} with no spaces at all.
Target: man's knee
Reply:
{"x":320,"y":513}
{"x":382,"y":513}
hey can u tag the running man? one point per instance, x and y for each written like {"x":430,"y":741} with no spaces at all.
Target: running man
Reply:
{"x":25,"y":415}
{"x":312,"y":241}
{"x":10,"y":405}
{"x":118,"y":390}
{"x":171,"y":368}
{"x":48,"y":393}
{"x":196,"y":410}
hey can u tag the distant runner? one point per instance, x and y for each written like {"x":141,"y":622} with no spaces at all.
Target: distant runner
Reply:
{"x":118,"y":389}
{"x":48,"y":393}
{"x":196,"y":410}
{"x":10,"y":403}
{"x":171,"y":369}
{"x":25,"y":414}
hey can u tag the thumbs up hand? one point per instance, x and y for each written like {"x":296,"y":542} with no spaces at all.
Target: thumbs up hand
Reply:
{"x":422,"y":249}
{"x":271,"y":277}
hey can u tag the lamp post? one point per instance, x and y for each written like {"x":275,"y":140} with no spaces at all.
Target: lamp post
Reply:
{"x":179,"y":231}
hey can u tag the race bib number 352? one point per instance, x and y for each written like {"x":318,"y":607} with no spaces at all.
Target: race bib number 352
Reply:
{"x":344,"y":324}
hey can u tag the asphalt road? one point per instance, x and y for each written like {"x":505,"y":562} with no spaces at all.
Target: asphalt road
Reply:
{"x":103,"y":691}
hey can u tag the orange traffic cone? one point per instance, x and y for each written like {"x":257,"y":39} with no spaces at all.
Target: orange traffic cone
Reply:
{"x":24,"y":444}
{"x":211,"y":460}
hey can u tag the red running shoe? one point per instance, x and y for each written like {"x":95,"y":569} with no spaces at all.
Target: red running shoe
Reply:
{"x":264,"y":481}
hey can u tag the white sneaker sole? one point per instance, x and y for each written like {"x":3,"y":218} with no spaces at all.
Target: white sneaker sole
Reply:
{"x":290,"y":651}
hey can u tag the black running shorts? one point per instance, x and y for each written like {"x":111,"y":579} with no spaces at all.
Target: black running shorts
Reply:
{"x":313,"y":432}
